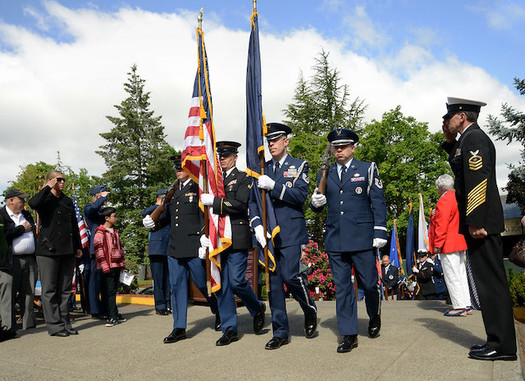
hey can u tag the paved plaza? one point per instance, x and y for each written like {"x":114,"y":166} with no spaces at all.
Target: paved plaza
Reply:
{"x":416,"y":343}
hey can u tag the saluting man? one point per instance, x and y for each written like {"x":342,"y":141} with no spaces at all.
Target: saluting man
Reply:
{"x":187,"y":222}
{"x":472,"y":158}
{"x":237,"y":187}
{"x":355,"y":226}
{"x":286,"y":180}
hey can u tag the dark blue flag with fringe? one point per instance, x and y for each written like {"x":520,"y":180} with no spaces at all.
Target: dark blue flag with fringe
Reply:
{"x":255,"y":132}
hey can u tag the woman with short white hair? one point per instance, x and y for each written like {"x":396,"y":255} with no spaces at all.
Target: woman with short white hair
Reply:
{"x":446,"y":241}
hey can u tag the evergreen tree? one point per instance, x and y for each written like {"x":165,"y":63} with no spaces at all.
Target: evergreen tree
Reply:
{"x":319,"y":105}
{"x":409,"y":159}
{"x":516,"y":132}
{"x":137,"y":159}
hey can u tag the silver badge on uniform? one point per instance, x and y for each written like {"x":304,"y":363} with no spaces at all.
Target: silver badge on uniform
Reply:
{"x":358,"y":190}
{"x":289,"y":184}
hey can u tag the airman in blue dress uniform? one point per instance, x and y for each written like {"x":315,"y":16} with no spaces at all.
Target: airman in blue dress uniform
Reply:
{"x":286,"y":180}
{"x":158,"y":257}
{"x":355,"y":226}
{"x":92,"y":276}
{"x":237,"y":187}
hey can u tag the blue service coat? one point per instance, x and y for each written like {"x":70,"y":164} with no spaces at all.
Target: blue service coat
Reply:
{"x":288,"y":196}
{"x":159,"y":238}
{"x":356,"y":208}
{"x":94,"y":219}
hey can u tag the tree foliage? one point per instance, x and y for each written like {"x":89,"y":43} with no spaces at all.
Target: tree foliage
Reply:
{"x":409,"y":160}
{"x":32,"y":177}
{"x":319,"y":104}
{"x":514,"y":132}
{"x":137,"y":159}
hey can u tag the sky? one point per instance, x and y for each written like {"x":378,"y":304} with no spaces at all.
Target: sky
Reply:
{"x":63,"y":64}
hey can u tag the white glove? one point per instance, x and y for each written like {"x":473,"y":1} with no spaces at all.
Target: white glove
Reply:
{"x":81,"y":268}
{"x":265,"y":182}
{"x":207,"y":199}
{"x":415,"y":269}
{"x":318,"y":199}
{"x":260,"y":236}
{"x":205,"y":241}
{"x":379,"y":242}
{"x":148,"y":222}
{"x":202,"y":253}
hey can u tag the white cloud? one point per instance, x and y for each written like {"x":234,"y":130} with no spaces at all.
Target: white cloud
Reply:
{"x":55,"y":96}
{"x":502,"y":15}
{"x":363,"y":30}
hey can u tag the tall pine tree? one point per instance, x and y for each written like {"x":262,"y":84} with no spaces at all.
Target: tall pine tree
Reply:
{"x":512,"y":128}
{"x":137,"y":159}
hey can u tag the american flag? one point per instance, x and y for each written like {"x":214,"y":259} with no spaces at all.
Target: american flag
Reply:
{"x":199,"y":147}
{"x":84,"y":237}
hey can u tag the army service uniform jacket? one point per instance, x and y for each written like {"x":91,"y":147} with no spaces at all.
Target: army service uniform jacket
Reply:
{"x":237,"y":186}
{"x":356,"y":208}
{"x":473,"y":161}
{"x":187,"y":221}
{"x":288,"y":196}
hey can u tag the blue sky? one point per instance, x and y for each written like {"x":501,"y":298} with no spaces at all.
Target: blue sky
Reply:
{"x":63,"y":63}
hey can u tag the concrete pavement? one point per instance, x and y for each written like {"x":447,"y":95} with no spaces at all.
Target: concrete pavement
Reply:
{"x":416,"y":343}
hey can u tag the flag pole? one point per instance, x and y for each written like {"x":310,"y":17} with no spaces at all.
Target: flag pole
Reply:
{"x":205,"y":190}
{"x":265,"y":224}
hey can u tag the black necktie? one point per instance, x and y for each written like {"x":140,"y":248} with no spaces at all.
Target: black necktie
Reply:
{"x":343,"y":171}
{"x":223,"y":175}
{"x":277,"y":166}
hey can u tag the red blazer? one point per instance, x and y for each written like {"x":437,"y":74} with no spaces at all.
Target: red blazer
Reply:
{"x":444,"y":225}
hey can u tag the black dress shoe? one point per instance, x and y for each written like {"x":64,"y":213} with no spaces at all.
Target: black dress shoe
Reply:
{"x":276,"y":343}
{"x":61,"y":333}
{"x":217,"y":322}
{"x":175,"y":335}
{"x":258,"y":319}
{"x":72,"y":331}
{"x":162,"y":312}
{"x":477,"y":347}
{"x":310,"y":325}
{"x":374,"y":326}
{"x":349,"y":342}
{"x":229,"y":337}
{"x":487,"y":354}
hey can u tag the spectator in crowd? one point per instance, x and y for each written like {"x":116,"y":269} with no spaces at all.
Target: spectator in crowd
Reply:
{"x":110,"y":261}
{"x":424,"y":270}
{"x":158,"y":257}
{"x":438,"y":278}
{"x":19,"y":229}
{"x":389,"y":275}
{"x":58,"y":243}
{"x":7,"y":326}
{"x":445,"y":240}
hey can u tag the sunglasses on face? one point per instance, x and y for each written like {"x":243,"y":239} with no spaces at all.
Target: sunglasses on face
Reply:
{"x":60,"y":179}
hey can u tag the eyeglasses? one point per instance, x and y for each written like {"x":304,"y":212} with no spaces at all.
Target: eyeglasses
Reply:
{"x":59,"y":179}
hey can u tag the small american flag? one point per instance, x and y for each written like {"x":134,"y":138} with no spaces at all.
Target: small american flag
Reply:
{"x":199,"y":146}
{"x":84,"y":237}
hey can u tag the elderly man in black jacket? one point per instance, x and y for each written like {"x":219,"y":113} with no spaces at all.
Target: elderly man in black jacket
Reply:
{"x":19,"y":229}
{"x":7,"y":330}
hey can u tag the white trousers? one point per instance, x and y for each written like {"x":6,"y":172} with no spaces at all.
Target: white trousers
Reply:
{"x":455,"y":273}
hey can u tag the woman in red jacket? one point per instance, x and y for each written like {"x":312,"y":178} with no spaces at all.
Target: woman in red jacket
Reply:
{"x":446,"y":241}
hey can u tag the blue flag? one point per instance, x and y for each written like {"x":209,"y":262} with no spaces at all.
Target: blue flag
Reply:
{"x":255,"y":132}
{"x":410,"y":248}
{"x":394,"y":248}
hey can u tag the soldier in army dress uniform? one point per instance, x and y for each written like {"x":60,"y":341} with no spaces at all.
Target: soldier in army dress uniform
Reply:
{"x":187,"y":222}
{"x":355,"y":227}
{"x":237,"y":186}
{"x":472,"y":158}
